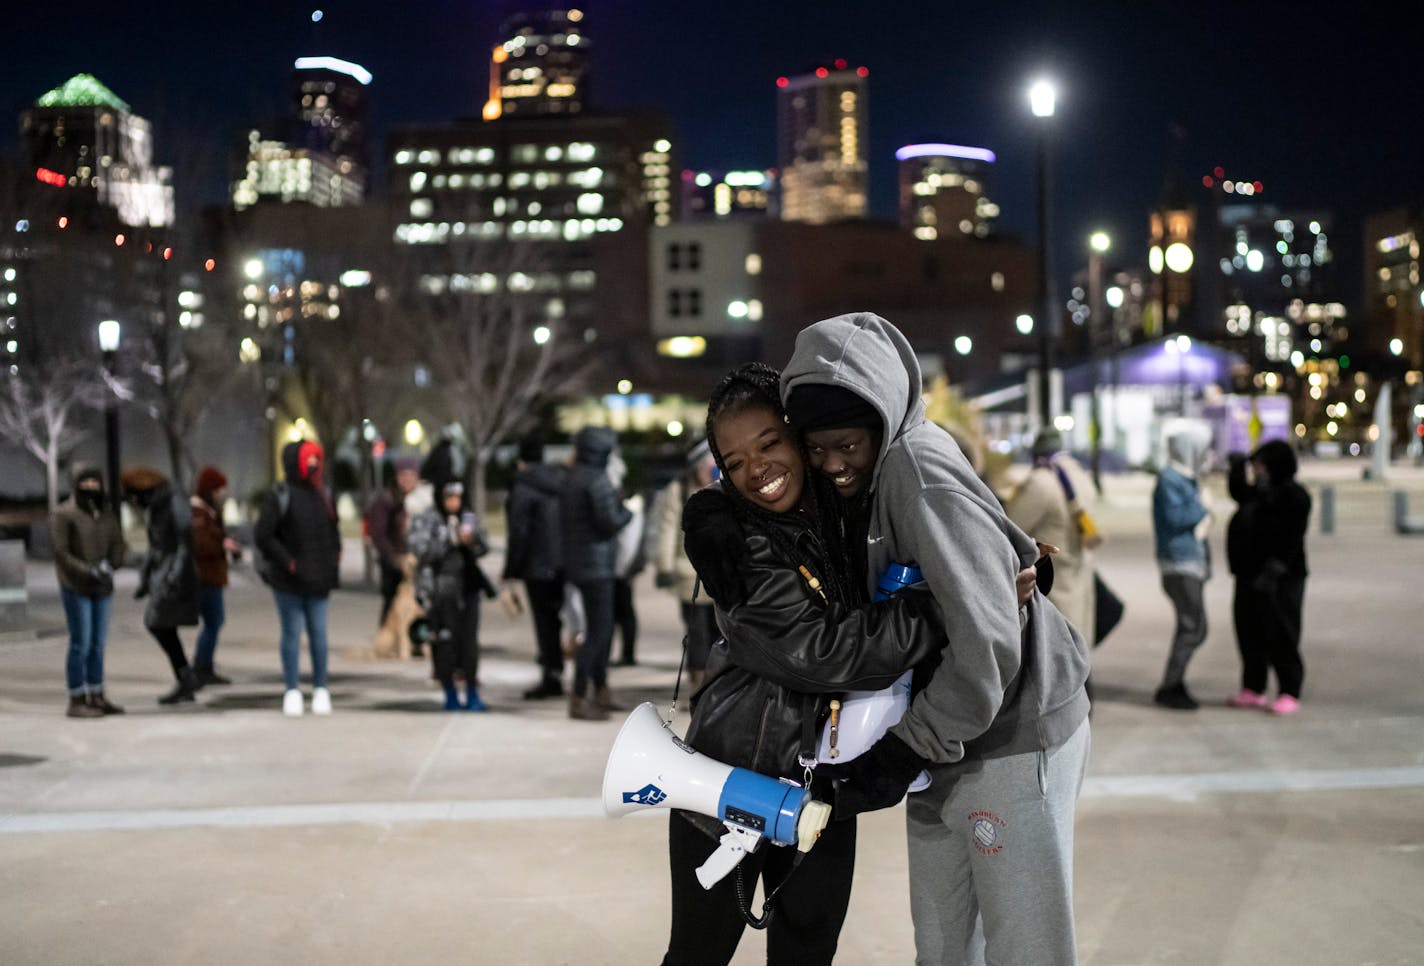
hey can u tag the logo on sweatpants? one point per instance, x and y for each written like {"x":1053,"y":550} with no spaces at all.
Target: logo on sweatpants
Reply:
{"x":987,"y":829}
{"x":647,"y":795}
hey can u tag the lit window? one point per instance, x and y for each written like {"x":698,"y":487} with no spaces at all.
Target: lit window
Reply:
{"x":753,"y":264}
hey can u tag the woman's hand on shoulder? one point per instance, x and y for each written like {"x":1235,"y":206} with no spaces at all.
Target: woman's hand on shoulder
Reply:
{"x":713,"y":541}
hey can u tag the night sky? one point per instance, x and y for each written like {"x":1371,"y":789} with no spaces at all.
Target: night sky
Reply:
{"x":1323,"y":110}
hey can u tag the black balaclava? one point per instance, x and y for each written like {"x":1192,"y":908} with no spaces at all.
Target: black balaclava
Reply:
{"x":90,"y":501}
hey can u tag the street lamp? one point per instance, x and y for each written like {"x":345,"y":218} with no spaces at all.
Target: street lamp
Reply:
{"x":109,"y":333}
{"x":1098,"y":244}
{"x":1042,"y":97}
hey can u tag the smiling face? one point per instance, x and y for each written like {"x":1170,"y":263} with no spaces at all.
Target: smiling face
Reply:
{"x":761,"y":457}
{"x":846,"y":455}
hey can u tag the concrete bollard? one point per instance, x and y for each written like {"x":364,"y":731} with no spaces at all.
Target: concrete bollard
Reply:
{"x":1327,"y":510}
{"x":1404,"y":524}
{"x":14,"y":597}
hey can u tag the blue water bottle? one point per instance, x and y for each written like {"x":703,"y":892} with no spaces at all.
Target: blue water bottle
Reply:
{"x":895,"y":579}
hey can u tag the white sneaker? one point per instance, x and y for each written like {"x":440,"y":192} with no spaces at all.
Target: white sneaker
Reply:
{"x":292,"y":703}
{"x":321,"y":701}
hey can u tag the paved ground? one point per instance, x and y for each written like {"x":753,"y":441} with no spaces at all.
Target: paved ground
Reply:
{"x":393,"y":832}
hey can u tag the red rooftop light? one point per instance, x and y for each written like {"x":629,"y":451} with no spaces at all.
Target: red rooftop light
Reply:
{"x":822,"y":72}
{"x":51,"y":177}
{"x":210,"y":264}
{"x":1258,"y":187}
{"x":1208,"y":180}
{"x":840,"y":63}
{"x":862,"y":72}
{"x":118,"y":239}
{"x":782,"y":82}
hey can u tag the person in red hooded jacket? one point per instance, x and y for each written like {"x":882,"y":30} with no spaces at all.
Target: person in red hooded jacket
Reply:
{"x":296,"y":532}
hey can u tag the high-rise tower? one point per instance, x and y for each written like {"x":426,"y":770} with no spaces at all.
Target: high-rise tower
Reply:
{"x":944,"y":191}
{"x":821,"y":130}
{"x":82,"y":136}
{"x":540,"y":67}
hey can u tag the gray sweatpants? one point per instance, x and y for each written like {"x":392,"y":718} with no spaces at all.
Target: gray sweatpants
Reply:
{"x":993,"y":837}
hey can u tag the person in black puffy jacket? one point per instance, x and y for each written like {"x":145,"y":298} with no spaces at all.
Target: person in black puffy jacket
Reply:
{"x":535,"y":555}
{"x":798,"y":631}
{"x":590,"y":516}
{"x":297,"y":533}
{"x":1265,"y":547}
{"x":169,"y":576}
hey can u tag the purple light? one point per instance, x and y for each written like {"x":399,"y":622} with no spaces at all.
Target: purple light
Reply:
{"x":943,"y":151}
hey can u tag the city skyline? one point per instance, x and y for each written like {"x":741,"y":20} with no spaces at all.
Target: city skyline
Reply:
{"x":1267,"y":94}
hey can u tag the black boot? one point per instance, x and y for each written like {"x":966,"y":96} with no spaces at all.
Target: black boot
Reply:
{"x":206,"y":676}
{"x":97,"y":700}
{"x":1176,"y":698}
{"x":184,"y":690}
{"x":79,"y":707}
{"x":549,"y":687}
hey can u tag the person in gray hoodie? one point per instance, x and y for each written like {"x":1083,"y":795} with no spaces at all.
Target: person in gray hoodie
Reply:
{"x":1002,"y":722}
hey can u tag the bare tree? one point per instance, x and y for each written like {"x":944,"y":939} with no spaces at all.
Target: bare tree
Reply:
{"x":39,"y":412}
{"x":496,"y":357}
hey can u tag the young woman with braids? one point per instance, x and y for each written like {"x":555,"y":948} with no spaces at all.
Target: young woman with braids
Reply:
{"x":800,"y":631}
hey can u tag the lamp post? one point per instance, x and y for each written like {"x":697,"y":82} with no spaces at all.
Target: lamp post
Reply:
{"x":109,"y":332}
{"x":1098,"y":244}
{"x":1042,"y":97}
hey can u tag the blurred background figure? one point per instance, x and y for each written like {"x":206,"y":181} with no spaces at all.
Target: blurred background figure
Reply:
{"x":628,"y":562}
{"x":386,"y":526}
{"x":1180,"y":524}
{"x":211,"y":546}
{"x":1265,"y":546}
{"x":1049,"y":506}
{"x":591,"y":516}
{"x":297,"y":534}
{"x":447,"y":541}
{"x":674,"y":572}
{"x":168,"y":576}
{"x":534,"y":554}
{"x":88,"y":547}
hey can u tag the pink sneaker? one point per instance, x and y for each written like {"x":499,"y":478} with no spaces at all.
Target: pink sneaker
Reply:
{"x":1285,"y":704}
{"x":1246,"y":698}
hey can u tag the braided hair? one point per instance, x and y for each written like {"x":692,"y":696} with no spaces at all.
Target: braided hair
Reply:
{"x":755,"y":385}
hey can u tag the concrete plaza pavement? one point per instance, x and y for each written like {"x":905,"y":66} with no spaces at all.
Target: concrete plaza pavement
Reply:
{"x":392,"y":832}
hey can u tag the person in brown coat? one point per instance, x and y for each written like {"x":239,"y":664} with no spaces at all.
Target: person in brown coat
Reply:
{"x":211,"y":546}
{"x":88,"y":546}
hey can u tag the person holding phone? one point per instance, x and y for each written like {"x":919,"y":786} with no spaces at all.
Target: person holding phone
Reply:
{"x":447,"y":541}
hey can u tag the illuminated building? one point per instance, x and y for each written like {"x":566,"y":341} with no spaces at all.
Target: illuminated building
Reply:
{"x":944,"y":190}
{"x":329,"y":108}
{"x":279,"y":172}
{"x":554,"y":209}
{"x":1393,"y":294}
{"x":729,"y":194}
{"x":540,"y":67}
{"x":84,"y":138}
{"x":821,"y":138}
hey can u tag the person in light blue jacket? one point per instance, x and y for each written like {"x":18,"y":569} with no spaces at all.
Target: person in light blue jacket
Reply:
{"x":1180,"y":521}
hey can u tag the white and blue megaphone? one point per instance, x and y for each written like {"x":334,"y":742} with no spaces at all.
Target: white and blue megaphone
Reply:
{"x":651,"y":767}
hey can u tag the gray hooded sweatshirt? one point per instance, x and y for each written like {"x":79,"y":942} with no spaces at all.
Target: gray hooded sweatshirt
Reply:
{"x":1011,"y":681}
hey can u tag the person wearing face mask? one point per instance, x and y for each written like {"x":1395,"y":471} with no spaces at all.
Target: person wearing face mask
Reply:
{"x":88,"y":546}
{"x":169,"y":577}
{"x":297,"y":533}
{"x":447,"y":541}
{"x":1265,"y":547}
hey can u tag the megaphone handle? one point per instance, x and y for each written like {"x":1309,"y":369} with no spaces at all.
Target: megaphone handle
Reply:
{"x":736,"y":844}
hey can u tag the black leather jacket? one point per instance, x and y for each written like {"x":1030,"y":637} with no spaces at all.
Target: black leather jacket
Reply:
{"x":786,"y":653}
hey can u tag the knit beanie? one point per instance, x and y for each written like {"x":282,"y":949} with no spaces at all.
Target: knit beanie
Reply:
{"x":210,"y":480}
{"x":814,"y":406}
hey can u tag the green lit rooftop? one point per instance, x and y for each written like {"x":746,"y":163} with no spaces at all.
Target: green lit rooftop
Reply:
{"x":82,"y":90}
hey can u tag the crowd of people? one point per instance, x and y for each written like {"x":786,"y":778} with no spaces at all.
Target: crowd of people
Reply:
{"x":809,"y":484}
